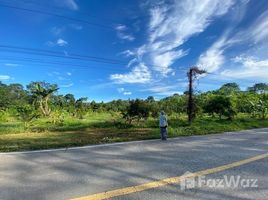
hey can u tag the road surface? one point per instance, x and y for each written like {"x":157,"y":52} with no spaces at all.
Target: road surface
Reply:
{"x":139,"y":170}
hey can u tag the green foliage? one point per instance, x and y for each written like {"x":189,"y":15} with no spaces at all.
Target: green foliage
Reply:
{"x":26,"y":114}
{"x":259,"y":88}
{"x":137,"y":109}
{"x":220,"y":105}
{"x":41,"y":93}
{"x":80,"y":108}
{"x":4,"y":115}
{"x":229,"y":89}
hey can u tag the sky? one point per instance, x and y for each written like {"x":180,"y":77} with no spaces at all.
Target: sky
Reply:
{"x":123,"y":49}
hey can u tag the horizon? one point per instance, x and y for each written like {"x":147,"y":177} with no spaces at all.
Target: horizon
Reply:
{"x":127,"y":50}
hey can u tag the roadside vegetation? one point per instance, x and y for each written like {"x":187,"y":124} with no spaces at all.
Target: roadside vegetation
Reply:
{"x":36,"y":117}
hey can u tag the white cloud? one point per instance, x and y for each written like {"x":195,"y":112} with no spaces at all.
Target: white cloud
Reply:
{"x":4,"y":77}
{"x":163,"y":61}
{"x":170,"y":26}
{"x":123,"y":91}
{"x":62,"y":42}
{"x":11,"y":64}
{"x":122,"y":33}
{"x":167,"y":90}
{"x":57,"y":30}
{"x":71,"y":4}
{"x":139,"y":74}
{"x":259,"y":31}
{"x":127,"y":93}
{"x":127,"y":53}
{"x":67,"y":85}
{"x":69,"y":73}
{"x":120,"y":90}
{"x":213,"y":58}
{"x":76,"y":26}
{"x":250,"y":67}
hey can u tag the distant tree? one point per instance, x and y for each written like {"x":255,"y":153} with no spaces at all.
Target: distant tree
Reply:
{"x":41,"y":92}
{"x":259,"y":88}
{"x":150,"y":99}
{"x":220,"y":105}
{"x":137,"y":109}
{"x":5,"y":100}
{"x":70,"y":99}
{"x":80,"y":107}
{"x":229,"y":88}
{"x":94,"y":106}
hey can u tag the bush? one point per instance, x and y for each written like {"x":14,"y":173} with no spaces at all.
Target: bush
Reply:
{"x":220,"y":105}
{"x":26,"y":113}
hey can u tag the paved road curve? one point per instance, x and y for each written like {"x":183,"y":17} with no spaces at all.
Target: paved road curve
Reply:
{"x":67,"y":174}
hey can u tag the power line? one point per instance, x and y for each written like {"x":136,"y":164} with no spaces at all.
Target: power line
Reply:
{"x":42,"y":52}
{"x":66,"y":10}
{"x":57,"y":15}
{"x":42,"y":62}
{"x":48,"y":53}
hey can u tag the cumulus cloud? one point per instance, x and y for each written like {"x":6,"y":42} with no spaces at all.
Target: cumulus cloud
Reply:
{"x":62,"y":42}
{"x":250,"y":67}
{"x":139,"y":74}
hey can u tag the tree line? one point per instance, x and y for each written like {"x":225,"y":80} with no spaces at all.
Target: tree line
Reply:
{"x":40,"y":100}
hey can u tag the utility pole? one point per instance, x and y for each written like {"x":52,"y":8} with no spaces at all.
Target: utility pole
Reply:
{"x":193,"y":72}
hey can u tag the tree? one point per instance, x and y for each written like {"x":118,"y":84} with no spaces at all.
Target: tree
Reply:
{"x":259,"y":88}
{"x":193,"y":72}
{"x":5,"y":100}
{"x":229,"y":88}
{"x":220,"y":105}
{"x":150,"y":99}
{"x":137,"y":109}
{"x":80,"y":109}
{"x":41,"y":92}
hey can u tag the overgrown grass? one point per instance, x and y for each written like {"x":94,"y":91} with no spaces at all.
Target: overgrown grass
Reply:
{"x":100,"y":128}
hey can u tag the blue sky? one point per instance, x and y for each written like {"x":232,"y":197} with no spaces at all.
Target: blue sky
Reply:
{"x":124,"y":49}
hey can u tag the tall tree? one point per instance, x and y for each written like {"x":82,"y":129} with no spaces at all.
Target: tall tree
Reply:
{"x":41,"y":92}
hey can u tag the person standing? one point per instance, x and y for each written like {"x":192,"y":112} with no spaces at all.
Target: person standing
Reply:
{"x":163,"y":124}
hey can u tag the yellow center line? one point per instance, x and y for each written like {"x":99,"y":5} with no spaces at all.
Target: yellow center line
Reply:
{"x":167,"y":181}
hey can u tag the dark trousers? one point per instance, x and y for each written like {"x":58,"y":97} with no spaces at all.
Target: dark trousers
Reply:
{"x":163,"y":131}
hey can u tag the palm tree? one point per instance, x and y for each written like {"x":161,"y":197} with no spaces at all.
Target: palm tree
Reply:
{"x":42,"y":91}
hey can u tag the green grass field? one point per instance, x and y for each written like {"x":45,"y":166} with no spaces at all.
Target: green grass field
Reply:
{"x":100,"y":128}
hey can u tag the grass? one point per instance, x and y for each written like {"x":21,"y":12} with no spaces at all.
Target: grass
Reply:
{"x":99,"y":128}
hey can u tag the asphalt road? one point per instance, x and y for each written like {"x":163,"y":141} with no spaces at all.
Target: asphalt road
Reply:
{"x":72,"y":173}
